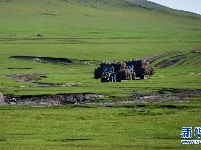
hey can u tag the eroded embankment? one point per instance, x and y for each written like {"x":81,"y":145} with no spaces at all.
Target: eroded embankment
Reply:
{"x":58,"y":99}
{"x":161,"y":96}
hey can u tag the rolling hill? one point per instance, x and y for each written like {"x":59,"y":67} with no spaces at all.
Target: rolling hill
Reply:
{"x":95,"y":31}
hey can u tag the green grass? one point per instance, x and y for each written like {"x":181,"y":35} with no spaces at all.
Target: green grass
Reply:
{"x":86,"y":30}
{"x":80,"y":32}
{"x":91,"y":127}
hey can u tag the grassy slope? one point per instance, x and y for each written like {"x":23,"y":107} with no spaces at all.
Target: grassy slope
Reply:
{"x":85,"y":30}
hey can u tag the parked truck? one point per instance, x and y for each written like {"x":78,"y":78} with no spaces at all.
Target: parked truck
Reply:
{"x":141,"y":67}
{"x":108,"y":74}
{"x":99,"y":71}
{"x":126,"y":73}
{"x":118,"y":71}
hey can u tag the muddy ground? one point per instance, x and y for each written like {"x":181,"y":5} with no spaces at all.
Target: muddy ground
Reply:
{"x":51,"y":100}
{"x":36,"y":77}
{"x":31,"y":77}
{"x":161,"y":96}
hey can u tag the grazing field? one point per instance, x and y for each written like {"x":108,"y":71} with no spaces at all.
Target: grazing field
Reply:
{"x":140,"y":114}
{"x":91,"y":127}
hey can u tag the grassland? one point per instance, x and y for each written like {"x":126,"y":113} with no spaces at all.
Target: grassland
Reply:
{"x":90,"y":127}
{"x":80,"y":32}
{"x":88,"y":31}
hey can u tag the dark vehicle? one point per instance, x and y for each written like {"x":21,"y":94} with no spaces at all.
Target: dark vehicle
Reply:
{"x":128,"y":70}
{"x":141,"y":67}
{"x":126,"y":74}
{"x":108,"y":74}
{"x":99,"y":71}
{"x":131,"y":68}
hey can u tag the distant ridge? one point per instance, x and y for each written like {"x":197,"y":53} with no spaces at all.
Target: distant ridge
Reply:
{"x":117,"y":4}
{"x":132,"y":4}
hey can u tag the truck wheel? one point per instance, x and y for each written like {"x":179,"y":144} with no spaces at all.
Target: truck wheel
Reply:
{"x":151,"y":72}
{"x":119,"y":80}
{"x":118,"y":76}
{"x":142,"y":76}
{"x":95,"y":77}
{"x":110,"y":80}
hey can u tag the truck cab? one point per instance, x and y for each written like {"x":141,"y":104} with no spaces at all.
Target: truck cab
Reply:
{"x":108,"y":74}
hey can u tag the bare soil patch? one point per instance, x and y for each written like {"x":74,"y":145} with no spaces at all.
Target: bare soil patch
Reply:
{"x":161,"y":96}
{"x":36,"y":77}
{"x":168,"y":94}
{"x":50,"y":100}
{"x":32,"y":77}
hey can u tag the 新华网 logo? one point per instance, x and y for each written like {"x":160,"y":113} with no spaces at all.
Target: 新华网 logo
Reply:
{"x":188,"y":133}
